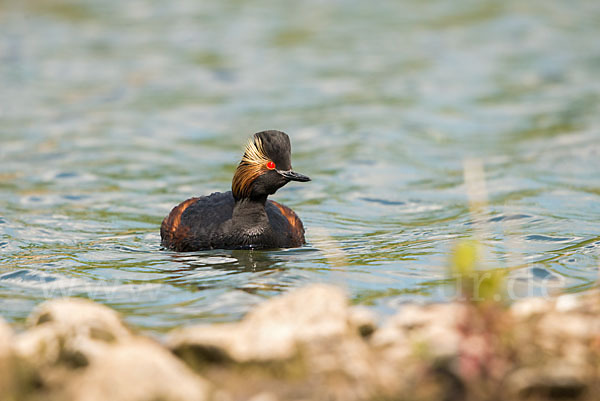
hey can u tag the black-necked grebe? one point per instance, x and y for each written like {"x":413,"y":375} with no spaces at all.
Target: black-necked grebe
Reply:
{"x":242,"y":218}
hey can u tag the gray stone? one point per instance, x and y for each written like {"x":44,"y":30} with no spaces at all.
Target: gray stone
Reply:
{"x":139,"y":370}
{"x":434,"y":326}
{"x":556,"y":379}
{"x":6,"y":337}
{"x":70,"y":331}
{"x":265,"y":396}
{"x":82,"y":317}
{"x":363,"y":320}
{"x":17,"y":378}
{"x":7,"y":377}
{"x":273,"y":330}
{"x":568,"y":302}
{"x":529,"y":307}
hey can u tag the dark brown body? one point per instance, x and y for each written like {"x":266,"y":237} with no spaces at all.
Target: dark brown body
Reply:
{"x":217,"y":221}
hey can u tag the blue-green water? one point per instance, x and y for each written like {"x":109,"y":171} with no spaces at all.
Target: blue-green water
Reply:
{"x":112,"y":112}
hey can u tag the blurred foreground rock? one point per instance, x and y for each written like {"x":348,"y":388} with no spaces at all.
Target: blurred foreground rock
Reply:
{"x":274,"y":331}
{"x":75,"y":349}
{"x":311,"y":344}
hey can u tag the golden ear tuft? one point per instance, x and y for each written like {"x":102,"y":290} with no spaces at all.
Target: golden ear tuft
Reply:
{"x":255,"y":153}
{"x":251,"y":166}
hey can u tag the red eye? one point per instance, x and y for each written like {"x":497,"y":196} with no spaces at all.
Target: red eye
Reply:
{"x":271,"y":165}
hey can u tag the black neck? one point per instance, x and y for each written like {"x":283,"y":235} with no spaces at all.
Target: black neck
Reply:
{"x":250,"y":212}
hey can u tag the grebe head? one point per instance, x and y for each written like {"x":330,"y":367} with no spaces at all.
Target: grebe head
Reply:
{"x":265,"y":167}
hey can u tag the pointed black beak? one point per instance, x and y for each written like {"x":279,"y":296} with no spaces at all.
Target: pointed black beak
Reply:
{"x":293,"y":176}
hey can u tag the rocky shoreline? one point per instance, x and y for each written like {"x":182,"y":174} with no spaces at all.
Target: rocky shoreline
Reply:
{"x":311,"y":344}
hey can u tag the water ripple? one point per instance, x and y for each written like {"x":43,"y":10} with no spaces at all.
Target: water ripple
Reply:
{"x":383,"y":105}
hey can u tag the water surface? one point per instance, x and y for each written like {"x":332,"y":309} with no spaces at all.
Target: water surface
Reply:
{"x":113,"y":112}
